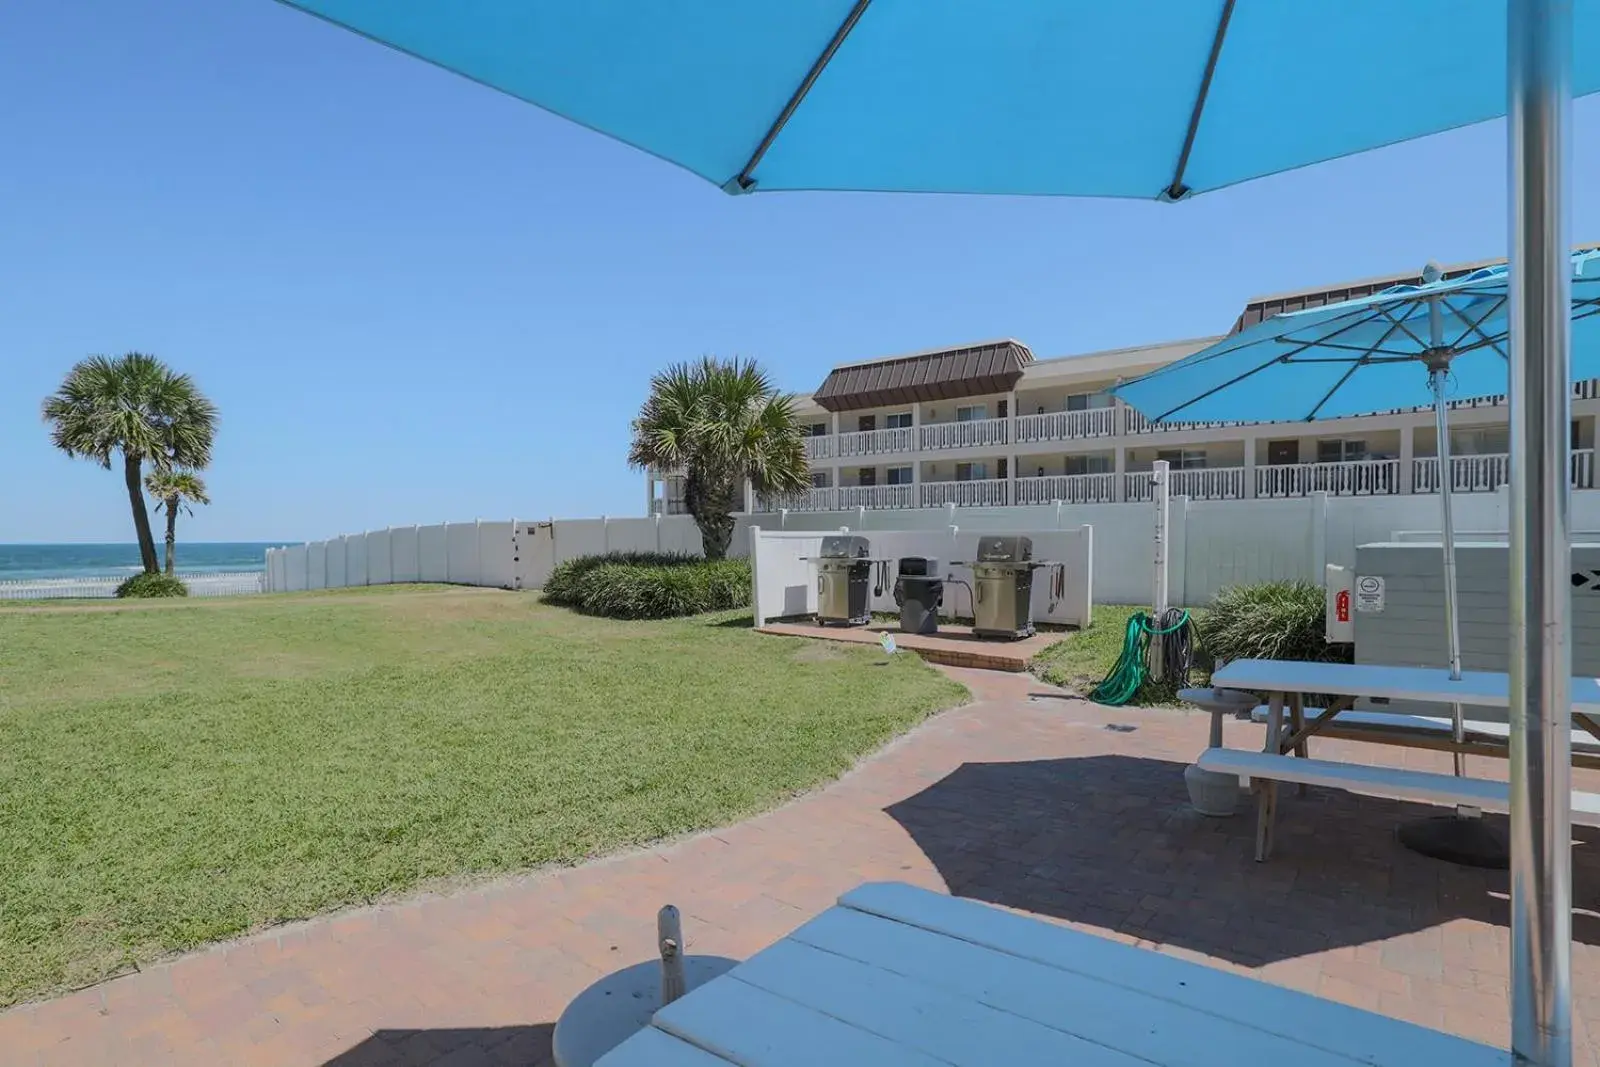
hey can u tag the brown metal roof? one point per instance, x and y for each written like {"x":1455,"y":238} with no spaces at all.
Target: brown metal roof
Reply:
{"x":972,"y":370}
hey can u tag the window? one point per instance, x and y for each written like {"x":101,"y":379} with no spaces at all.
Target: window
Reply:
{"x":867,"y":476}
{"x":1341,"y":450}
{"x":867,"y":422}
{"x":1096,"y":464}
{"x":972,"y":412}
{"x":899,"y":420}
{"x":1186,"y":459}
{"x":819,"y":429}
{"x":1078,"y":402}
{"x":819,"y":479}
{"x":899,"y":475}
{"x":971,"y":472}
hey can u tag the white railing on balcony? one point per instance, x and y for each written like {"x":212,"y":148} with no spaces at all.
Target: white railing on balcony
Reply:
{"x":1362,"y":477}
{"x":1065,"y":425}
{"x":979,"y":493}
{"x":877,"y":496}
{"x":820,"y":499}
{"x":1201,"y":483}
{"x":819,"y":447}
{"x":1485,"y":474}
{"x":978,"y":433}
{"x":875,"y":442}
{"x":1068,"y":489}
{"x":1133,"y":422}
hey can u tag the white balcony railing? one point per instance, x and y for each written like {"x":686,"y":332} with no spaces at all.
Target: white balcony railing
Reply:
{"x":819,"y":447}
{"x":1207,"y":483}
{"x":1066,"y":425}
{"x":877,"y":496}
{"x":977,"y":433}
{"x":1363,"y":477}
{"x":1068,"y":489}
{"x":979,"y":493}
{"x":1133,"y":422}
{"x":876,"y":442}
{"x":1485,"y":474}
{"x":820,"y":499}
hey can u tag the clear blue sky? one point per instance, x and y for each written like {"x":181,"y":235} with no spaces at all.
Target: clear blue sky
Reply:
{"x":417,"y":300}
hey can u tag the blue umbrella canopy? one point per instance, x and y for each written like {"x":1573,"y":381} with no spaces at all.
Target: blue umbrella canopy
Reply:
{"x":1138,"y":98}
{"x":1364,"y":355}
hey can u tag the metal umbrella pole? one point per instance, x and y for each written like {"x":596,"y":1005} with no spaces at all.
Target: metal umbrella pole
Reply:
{"x":1539,"y":99}
{"x":1438,"y":378}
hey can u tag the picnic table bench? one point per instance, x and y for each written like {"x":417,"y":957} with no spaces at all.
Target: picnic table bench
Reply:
{"x":1287,"y":758}
{"x":895,"y":976}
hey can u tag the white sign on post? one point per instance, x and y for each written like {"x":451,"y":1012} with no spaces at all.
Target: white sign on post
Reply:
{"x":1369,"y":593}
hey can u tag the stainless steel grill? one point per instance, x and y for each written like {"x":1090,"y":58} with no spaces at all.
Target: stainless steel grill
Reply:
{"x":844,"y":570}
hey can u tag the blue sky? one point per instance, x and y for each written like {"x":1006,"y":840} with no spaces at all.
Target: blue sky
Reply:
{"x":417,"y":300}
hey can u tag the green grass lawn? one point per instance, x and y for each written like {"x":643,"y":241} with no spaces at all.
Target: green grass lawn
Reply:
{"x":176,"y":772}
{"x":1083,"y":658}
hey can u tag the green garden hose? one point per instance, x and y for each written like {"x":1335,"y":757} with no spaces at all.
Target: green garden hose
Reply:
{"x":1128,"y":674}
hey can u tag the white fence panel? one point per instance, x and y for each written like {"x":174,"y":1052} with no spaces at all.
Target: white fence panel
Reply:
{"x":632,"y":535}
{"x":294,"y":565}
{"x":536,"y":554}
{"x":461,"y":563}
{"x":277,"y":575}
{"x":355,"y":559}
{"x":317,"y":565}
{"x":337,"y":561}
{"x":784,"y":580}
{"x":433,"y":553}
{"x":405,"y":555}
{"x":1225,"y":544}
{"x":680,"y":534}
{"x":497,"y":565}
{"x":380,"y":557}
{"x":579,"y":537}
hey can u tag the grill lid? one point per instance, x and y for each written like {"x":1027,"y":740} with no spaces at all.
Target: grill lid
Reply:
{"x":845,"y":546}
{"x":1005,"y":549}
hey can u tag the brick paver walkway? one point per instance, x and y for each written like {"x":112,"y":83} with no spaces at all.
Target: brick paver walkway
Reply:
{"x":1040,"y":803}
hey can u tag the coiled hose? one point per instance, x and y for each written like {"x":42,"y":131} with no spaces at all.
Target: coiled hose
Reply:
{"x":1132,"y":668}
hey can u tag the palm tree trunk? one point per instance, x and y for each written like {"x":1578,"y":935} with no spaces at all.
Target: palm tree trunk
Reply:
{"x":141,"y":517}
{"x":710,"y":501}
{"x":172,"y":529}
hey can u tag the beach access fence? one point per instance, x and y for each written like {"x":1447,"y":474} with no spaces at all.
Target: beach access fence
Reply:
{"x":202,"y":585}
{"x":1211,"y":543}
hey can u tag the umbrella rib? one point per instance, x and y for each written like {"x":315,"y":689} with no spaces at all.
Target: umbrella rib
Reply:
{"x":1355,"y":366}
{"x":743,"y":181}
{"x":1177,"y":189}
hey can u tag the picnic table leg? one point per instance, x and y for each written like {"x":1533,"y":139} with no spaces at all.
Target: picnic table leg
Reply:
{"x":1216,"y":728}
{"x":1297,"y":722}
{"x":1266,"y":788}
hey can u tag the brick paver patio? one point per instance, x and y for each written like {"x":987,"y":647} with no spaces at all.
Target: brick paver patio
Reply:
{"x":1023,"y":798}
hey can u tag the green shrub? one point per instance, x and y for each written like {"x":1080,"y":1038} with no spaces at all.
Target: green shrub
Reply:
{"x":145,"y":584}
{"x":661,"y":587}
{"x":1273,"y":620}
{"x":564,"y":584}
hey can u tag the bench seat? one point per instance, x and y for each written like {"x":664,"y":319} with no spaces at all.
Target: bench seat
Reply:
{"x":1432,"y":725}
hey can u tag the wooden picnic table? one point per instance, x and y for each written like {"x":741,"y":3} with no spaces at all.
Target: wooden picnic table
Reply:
{"x":895,"y":976}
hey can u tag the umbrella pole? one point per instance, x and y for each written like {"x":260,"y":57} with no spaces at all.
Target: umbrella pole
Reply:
{"x":1438,"y":375}
{"x":1539,"y":111}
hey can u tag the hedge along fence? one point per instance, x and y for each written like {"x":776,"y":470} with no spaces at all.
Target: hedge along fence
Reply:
{"x":649,"y":585}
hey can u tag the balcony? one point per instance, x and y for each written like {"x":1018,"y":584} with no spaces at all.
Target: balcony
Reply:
{"x":1209,"y":483}
{"x":1066,"y":425}
{"x":1068,"y":489}
{"x":821,"y":499}
{"x":1485,"y":474}
{"x":978,"y":433}
{"x":1135,"y":423}
{"x":875,"y":442}
{"x":978,"y":493}
{"x":1363,"y":477}
{"x":877,"y":496}
{"x":819,"y":447}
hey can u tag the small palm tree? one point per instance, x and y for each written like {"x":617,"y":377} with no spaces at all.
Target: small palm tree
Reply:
{"x":175,"y":490}
{"x":720,"y":422}
{"x":138,"y":408}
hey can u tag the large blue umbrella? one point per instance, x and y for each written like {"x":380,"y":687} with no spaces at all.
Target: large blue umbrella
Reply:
{"x":1448,"y":336}
{"x":1134,"y":98}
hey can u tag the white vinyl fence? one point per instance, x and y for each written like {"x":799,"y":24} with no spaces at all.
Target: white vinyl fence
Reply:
{"x":504,"y":555}
{"x":784,"y":575}
{"x":200,"y":585}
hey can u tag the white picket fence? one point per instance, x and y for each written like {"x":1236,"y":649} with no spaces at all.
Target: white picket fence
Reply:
{"x":237,"y":583}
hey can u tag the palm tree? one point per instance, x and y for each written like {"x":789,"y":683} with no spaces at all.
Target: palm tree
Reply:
{"x":721,"y":423}
{"x":137,"y":408}
{"x":175,"y":491}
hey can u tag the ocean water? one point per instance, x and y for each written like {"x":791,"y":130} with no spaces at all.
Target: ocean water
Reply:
{"x":34,"y":562}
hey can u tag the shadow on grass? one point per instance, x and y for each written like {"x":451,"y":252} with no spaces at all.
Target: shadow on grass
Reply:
{"x":1111,"y":841}
{"x":466,"y":1047}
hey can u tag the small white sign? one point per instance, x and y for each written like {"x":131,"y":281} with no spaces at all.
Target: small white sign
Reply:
{"x":1369,"y":593}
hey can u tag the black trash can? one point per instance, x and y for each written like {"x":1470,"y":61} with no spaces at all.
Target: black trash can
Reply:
{"x":918,"y":591}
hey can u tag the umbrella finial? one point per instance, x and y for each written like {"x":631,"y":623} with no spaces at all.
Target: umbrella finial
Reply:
{"x":1432,"y":273}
